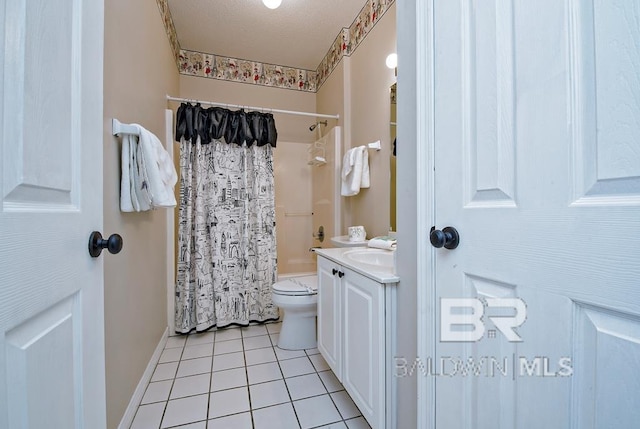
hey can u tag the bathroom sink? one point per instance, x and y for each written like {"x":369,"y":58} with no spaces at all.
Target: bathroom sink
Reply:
{"x":379,"y":257}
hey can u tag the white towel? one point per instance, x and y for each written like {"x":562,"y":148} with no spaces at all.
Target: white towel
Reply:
{"x":385,"y":242}
{"x":126,"y":179}
{"x":148,"y":174}
{"x":159,"y":170}
{"x":355,"y":171}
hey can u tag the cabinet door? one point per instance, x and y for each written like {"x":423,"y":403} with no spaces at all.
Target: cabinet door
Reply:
{"x":363,"y":366}
{"x":330,"y":315}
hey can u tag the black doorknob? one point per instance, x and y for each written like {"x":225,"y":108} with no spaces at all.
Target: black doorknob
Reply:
{"x":334,"y":271}
{"x":448,"y":237}
{"x":97,"y":243}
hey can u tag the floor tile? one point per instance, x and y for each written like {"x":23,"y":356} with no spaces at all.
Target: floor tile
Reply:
{"x":316,"y":411}
{"x":185,"y":410}
{"x":202,"y":338}
{"x":157,"y":392}
{"x":267,"y":394}
{"x":148,"y":416}
{"x":228,"y":361}
{"x":339,"y":425}
{"x":318,"y":363}
{"x":345,"y":405}
{"x":198,"y":351}
{"x":194,"y":366}
{"x":258,"y":342}
{"x":233,"y":378}
{"x":264,"y":372}
{"x":357,"y":423}
{"x":258,"y":356}
{"x":330,"y":381}
{"x":274,"y":339}
{"x":190,"y":386}
{"x":253,"y":331}
{"x":170,"y":355}
{"x":227,"y":402}
{"x":198,"y":425}
{"x":305,"y":386}
{"x":236,"y":421}
{"x":176,"y":341}
{"x":283,"y":354}
{"x":228,"y":379}
{"x":297,"y":366}
{"x":274,"y":328}
{"x":228,"y":334}
{"x":164,"y":371}
{"x":224,"y":347}
{"x":276,"y":417}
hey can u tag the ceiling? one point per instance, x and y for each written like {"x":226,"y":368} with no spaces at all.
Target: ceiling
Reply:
{"x":297,"y":34}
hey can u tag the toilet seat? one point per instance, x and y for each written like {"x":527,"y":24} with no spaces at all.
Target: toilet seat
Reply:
{"x":297,"y":286}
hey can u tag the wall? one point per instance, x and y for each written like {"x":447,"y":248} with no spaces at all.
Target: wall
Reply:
{"x":361,"y":84}
{"x":138,"y":71}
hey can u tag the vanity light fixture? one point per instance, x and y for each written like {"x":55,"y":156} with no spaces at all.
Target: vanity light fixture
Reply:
{"x":272,"y":4}
{"x":392,"y":61}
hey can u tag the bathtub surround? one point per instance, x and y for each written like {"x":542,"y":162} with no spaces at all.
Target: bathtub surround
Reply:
{"x":227,"y":240}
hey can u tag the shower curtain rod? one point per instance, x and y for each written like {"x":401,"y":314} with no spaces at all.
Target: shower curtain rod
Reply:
{"x":264,"y":109}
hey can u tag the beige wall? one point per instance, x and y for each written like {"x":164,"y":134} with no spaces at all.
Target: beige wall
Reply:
{"x":361,"y":84}
{"x":139,"y":70}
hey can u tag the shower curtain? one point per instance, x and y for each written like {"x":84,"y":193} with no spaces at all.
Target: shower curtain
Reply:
{"x":226,"y":232}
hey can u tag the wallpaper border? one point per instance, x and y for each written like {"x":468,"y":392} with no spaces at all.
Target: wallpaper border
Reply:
{"x":209,"y":65}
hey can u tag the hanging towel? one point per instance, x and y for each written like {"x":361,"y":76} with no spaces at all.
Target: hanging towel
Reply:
{"x":148,"y":174}
{"x":355,"y":171}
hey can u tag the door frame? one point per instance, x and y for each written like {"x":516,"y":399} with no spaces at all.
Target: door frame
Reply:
{"x":415,"y":31}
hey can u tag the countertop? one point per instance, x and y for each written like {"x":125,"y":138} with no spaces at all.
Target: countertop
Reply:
{"x":380,"y":275}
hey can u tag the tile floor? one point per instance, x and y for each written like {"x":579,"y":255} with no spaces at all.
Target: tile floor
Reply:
{"x":238,"y":378}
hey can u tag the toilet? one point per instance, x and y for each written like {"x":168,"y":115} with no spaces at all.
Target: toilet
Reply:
{"x":298,"y":299}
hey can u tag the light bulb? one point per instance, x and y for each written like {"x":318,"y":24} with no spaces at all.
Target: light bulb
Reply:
{"x":392,"y":61}
{"x":272,"y":4}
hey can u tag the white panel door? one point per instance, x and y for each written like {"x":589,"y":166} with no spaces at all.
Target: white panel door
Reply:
{"x":537,"y":155}
{"x":51,"y":297}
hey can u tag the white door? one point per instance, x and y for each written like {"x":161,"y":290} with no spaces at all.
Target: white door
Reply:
{"x":51,"y":297}
{"x":537,"y":155}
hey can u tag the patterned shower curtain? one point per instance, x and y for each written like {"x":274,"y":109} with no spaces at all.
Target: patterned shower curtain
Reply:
{"x":227,"y":239}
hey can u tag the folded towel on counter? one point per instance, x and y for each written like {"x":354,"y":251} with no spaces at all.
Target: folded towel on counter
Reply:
{"x":148,"y":174}
{"x":355,"y":171}
{"x":383,"y":242}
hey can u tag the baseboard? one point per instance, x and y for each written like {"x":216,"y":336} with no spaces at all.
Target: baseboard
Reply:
{"x":130,"y":412}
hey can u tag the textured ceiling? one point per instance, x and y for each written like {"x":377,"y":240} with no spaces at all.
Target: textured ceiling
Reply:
{"x":297,"y":34}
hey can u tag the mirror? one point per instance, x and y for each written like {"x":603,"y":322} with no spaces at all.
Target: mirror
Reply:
{"x":392,"y":160}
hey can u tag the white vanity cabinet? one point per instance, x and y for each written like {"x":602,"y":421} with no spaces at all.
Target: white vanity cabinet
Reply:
{"x":356,"y":318}
{"x":330,"y":315}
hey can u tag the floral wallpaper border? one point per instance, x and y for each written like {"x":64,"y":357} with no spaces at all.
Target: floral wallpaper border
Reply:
{"x":246,"y":71}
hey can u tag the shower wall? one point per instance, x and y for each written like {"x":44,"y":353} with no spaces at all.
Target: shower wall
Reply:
{"x":293,"y":208}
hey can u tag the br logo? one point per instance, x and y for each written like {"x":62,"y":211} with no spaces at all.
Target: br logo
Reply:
{"x":466,"y":314}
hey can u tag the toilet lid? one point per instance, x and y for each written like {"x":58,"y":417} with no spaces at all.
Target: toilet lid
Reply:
{"x":307,"y":285}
